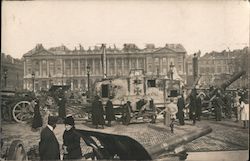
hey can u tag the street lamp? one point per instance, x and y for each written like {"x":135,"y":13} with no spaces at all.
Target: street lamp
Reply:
{"x":88,"y":70}
{"x":5,"y":77}
{"x":33,"y":80}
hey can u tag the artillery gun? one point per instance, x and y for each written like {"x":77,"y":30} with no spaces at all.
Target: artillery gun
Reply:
{"x":101,"y":145}
{"x":139,"y":90}
{"x":17,"y":105}
{"x":111,"y":146}
{"x":217,"y":91}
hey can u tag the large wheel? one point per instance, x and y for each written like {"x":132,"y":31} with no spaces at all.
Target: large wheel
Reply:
{"x":22,"y":112}
{"x":16,"y":151}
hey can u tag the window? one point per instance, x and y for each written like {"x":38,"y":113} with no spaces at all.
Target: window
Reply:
{"x":75,"y":84}
{"x":51,"y":67}
{"x":119,"y":66}
{"x":82,"y":66}
{"x":97,"y":66}
{"x":36,"y":67}
{"x":44,"y":68}
{"x":83,"y":84}
{"x":111,"y":66}
{"x":126,"y":66}
{"x":137,"y":81}
{"x":105,"y":90}
{"x":89,"y":63}
{"x":151,"y":83}
{"x":75,"y":67}
{"x":133,"y":63}
{"x":67,"y":67}
{"x":58,"y":66}
{"x":140,"y":63}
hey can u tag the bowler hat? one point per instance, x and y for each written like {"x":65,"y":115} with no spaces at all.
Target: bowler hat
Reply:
{"x":69,"y":121}
{"x":52,"y":120}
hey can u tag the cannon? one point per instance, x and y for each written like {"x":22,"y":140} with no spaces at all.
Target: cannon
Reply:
{"x":225,"y":84}
{"x":120,"y":147}
{"x":209,"y":97}
{"x":17,"y":105}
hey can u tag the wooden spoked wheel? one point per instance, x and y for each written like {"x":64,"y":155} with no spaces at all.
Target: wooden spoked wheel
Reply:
{"x":22,"y":112}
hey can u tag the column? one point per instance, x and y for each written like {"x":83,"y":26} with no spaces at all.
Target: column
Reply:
{"x":71,"y":67}
{"x":86,"y":64}
{"x":79,"y":83}
{"x":160,"y":59}
{"x":93,"y":66}
{"x":136,"y":63}
{"x":40,"y":68}
{"x":24,"y":68}
{"x":123,"y":67}
{"x":145,"y":65}
{"x":79,"y":67}
{"x":101,"y":72}
{"x":129,"y":64}
{"x":61,"y":66}
{"x":47,"y":62}
{"x":108,"y":66}
{"x":115,"y":67}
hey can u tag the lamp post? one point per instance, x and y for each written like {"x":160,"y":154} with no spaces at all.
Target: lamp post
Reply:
{"x":88,"y":70}
{"x":5,"y":77}
{"x":33,"y":81}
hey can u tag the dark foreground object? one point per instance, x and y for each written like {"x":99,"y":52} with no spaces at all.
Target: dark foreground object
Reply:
{"x":119,"y":147}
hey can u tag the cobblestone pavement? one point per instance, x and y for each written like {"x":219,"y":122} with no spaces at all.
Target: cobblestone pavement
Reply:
{"x":226,"y":135}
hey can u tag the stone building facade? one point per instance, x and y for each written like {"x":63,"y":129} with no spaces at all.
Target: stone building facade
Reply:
{"x":11,"y":73}
{"x":59,"y":65}
{"x":216,"y":67}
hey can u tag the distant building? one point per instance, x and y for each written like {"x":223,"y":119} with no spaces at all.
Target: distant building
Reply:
{"x":59,"y":65}
{"x":11,"y":73}
{"x":216,"y":67}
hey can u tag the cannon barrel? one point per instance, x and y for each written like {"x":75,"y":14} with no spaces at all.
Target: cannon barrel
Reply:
{"x":196,"y":81}
{"x":232,"y":79}
{"x":174,"y":142}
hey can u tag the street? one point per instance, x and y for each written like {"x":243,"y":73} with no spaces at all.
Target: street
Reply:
{"x":227,"y":135}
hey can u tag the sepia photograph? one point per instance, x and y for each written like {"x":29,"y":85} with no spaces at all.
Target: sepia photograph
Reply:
{"x":126,"y":80}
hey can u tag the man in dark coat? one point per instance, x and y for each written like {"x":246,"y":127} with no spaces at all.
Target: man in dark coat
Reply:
{"x":48,"y":145}
{"x":61,"y":101}
{"x":97,"y":113}
{"x":110,"y":116}
{"x":193,"y":106}
{"x":71,"y":140}
{"x":228,"y":104}
{"x":181,"y":106}
{"x":217,"y":103}
{"x":199,"y":106}
{"x":37,"y":119}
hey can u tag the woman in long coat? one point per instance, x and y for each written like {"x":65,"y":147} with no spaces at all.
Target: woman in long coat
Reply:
{"x":37,"y":119}
{"x":71,"y":140}
{"x":97,"y":113}
{"x":244,"y":112}
{"x":110,"y":116}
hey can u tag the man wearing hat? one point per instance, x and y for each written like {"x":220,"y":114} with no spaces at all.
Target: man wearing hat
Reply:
{"x":48,"y":145}
{"x":109,"y":109}
{"x":97,"y":113}
{"x":71,"y":141}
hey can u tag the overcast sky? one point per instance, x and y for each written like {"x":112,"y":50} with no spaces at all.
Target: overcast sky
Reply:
{"x":197,"y":25}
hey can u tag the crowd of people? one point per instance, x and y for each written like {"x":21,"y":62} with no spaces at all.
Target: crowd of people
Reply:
{"x":227,"y":105}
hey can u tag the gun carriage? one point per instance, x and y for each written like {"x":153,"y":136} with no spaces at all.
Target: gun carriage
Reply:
{"x":138,"y":90}
{"x":17,"y":106}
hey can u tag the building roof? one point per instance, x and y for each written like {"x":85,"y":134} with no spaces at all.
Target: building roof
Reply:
{"x":127,"y":48}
